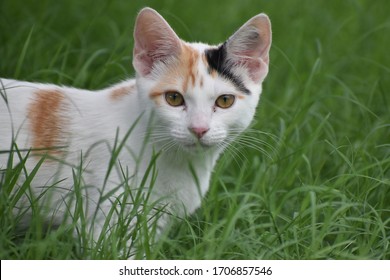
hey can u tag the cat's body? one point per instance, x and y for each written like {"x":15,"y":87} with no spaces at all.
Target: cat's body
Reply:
{"x":83,"y":127}
{"x":187,"y":103}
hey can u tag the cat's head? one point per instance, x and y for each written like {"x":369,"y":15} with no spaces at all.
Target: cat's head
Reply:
{"x":202,"y":95}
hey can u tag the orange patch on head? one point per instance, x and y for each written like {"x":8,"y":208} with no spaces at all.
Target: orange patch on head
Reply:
{"x":180,"y":74}
{"x":47,"y":120}
{"x":155,"y":96}
{"x":204,"y":59}
{"x":189,"y":58}
{"x":213,"y":73}
{"x":241,"y":96}
{"x":118,"y":93}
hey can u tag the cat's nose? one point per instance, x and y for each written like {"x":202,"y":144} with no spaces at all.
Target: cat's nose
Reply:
{"x":199,"y":131}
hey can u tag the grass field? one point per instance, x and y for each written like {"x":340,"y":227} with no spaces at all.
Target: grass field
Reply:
{"x":320,"y":189}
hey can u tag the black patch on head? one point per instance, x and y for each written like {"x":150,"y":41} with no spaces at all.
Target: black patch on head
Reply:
{"x":217,"y":61}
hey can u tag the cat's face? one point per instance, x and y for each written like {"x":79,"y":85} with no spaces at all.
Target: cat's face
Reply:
{"x":203,"y":96}
{"x":194,"y":105}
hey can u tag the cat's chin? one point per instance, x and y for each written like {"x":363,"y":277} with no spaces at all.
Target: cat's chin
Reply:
{"x":198,"y":147}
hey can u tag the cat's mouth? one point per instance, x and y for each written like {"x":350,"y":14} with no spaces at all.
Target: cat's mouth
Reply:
{"x":199,"y":146}
{"x":191,"y":143}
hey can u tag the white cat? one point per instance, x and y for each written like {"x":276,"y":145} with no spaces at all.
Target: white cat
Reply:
{"x":186,"y":104}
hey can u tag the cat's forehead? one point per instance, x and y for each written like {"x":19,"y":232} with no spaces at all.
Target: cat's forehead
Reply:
{"x":191,"y":72}
{"x":193,"y":64}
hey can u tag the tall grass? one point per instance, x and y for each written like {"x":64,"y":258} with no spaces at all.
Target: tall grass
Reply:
{"x":321,"y":187}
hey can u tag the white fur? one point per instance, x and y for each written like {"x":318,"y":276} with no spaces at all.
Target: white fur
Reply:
{"x":93,"y":121}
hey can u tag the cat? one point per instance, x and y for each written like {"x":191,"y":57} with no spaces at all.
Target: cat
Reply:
{"x":163,"y":130}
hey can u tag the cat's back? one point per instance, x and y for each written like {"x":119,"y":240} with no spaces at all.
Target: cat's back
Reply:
{"x":16,"y":98}
{"x":40,"y":116}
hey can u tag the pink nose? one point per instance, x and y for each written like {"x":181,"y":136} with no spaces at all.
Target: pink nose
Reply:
{"x":199,"y":131}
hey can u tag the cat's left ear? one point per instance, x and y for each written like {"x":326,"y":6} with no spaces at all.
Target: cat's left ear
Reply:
{"x":154,"y":41}
{"x":250,"y":45}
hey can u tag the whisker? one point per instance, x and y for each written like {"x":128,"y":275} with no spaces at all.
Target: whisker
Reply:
{"x":235,"y":153}
{"x":257,"y":142}
{"x":251,"y":139}
{"x":254,"y":147}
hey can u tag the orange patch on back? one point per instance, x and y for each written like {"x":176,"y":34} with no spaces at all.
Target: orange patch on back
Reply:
{"x":120,"y":92}
{"x":47,"y":120}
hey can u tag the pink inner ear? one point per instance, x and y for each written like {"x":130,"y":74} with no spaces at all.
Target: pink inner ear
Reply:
{"x":256,"y":60}
{"x":249,"y":47}
{"x":142,"y":62}
{"x":256,"y":64}
{"x":258,"y":69}
{"x":155,"y":41}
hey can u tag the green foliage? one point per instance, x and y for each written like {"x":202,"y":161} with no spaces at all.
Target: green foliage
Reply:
{"x":321,"y":187}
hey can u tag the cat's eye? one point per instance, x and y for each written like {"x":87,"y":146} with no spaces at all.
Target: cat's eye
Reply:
{"x":225,"y":101}
{"x":174,"y":98}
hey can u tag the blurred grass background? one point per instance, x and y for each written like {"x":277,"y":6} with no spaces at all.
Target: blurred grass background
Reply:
{"x":325,"y":191}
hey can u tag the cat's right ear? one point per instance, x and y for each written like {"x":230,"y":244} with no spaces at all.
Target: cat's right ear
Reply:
{"x":154,"y":41}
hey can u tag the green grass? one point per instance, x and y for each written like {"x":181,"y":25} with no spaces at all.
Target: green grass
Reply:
{"x":324,"y":191}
